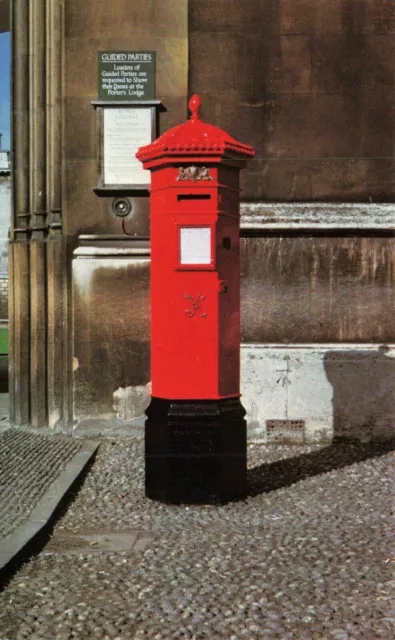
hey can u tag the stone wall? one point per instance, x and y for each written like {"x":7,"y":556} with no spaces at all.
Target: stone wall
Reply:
{"x":309,"y":83}
{"x":122,"y":25}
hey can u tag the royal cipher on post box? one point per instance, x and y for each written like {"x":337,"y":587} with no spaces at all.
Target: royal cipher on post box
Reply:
{"x":195,"y":434}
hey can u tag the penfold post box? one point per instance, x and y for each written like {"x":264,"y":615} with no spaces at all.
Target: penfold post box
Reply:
{"x":195,"y":432}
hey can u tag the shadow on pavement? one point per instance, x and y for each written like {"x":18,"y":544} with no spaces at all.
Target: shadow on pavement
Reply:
{"x":284,"y":473}
{"x":363,"y":384}
{"x":363,"y":406}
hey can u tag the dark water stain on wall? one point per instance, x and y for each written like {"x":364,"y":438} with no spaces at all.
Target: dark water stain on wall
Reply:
{"x":111,"y":336}
{"x":317,"y":289}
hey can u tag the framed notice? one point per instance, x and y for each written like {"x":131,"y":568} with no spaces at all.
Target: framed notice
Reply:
{"x":126,"y":75}
{"x":124,"y":131}
{"x":125,"y":127}
{"x":129,"y":118}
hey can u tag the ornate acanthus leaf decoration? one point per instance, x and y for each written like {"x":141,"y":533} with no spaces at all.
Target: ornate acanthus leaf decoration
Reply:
{"x":194,"y":173}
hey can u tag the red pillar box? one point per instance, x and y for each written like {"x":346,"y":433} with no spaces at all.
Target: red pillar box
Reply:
{"x":195,"y":433}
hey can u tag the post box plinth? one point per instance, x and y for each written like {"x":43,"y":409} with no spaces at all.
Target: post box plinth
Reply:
{"x":195,"y":451}
{"x":195,"y":432}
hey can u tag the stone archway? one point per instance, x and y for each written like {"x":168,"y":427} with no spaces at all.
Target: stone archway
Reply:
{"x":4,"y":15}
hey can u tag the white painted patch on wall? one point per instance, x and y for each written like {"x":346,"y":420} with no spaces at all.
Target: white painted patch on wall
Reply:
{"x":54,"y":419}
{"x":130,"y":403}
{"x":83,"y":272}
{"x":337,"y":389}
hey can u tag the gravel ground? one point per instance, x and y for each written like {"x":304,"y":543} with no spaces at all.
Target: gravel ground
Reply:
{"x":309,"y":555}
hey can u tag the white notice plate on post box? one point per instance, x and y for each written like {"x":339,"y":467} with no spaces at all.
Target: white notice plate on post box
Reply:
{"x":195,"y":245}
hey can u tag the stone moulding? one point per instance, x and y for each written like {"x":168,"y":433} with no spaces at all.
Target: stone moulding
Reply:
{"x":302,"y":216}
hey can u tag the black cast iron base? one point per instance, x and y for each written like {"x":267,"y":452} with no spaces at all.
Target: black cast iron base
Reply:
{"x":195,"y":451}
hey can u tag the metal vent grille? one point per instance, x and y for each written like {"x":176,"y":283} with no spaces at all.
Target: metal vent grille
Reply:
{"x":285,"y":431}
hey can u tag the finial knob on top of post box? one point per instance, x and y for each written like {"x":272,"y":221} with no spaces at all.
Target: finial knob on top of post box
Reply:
{"x":179,"y":143}
{"x":194,"y":104}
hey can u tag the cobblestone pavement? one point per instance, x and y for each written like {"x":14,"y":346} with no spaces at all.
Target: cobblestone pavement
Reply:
{"x":309,"y":555}
{"x":29,"y":463}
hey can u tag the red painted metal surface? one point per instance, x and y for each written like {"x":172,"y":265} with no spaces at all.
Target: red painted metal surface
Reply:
{"x":195,"y":290}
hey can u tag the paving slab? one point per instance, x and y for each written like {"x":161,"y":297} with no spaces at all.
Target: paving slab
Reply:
{"x":107,"y":541}
{"x":36,"y":471}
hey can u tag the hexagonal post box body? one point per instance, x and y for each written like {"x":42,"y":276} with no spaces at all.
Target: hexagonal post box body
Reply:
{"x":195,"y":431}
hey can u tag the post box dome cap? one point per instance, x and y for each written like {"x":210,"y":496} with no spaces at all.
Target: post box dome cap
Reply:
{"x":192,"y":137}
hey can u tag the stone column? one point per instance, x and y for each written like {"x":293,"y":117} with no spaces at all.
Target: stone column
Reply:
{"x":55,"y":258}
{"x":36,"y":249}
{"x":38,"y":207}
